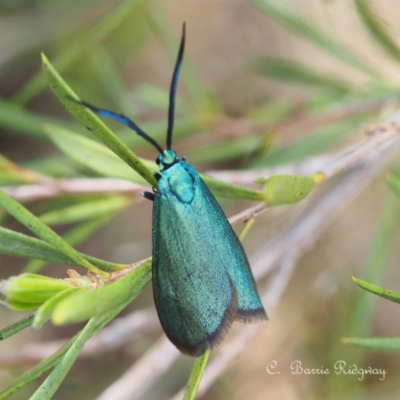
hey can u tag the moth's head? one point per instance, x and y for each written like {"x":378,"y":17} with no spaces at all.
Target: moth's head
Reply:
{"x":166,"y":159}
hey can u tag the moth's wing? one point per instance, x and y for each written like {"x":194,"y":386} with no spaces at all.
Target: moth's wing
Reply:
{"x":250,"y":308}
{"x":194,"y":295}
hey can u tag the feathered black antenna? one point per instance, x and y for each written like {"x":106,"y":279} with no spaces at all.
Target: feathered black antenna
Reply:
{"x":172,"y":91}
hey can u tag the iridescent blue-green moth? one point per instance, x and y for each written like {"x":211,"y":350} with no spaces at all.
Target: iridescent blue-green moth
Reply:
{"x":202,"y":280}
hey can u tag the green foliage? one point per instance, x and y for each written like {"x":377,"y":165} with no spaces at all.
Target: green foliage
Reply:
{"x":376,"y":344}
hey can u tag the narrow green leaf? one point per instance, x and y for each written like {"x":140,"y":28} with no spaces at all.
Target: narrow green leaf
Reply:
{"x":18,"y":244}
{"x":86,"y":210}
{"x":94,"y":155}
{"x":292,"y":72}
{"x":375,"y":265}
{"x":231,"y":191}
{"x":42,"y":367}
{"x":84,"y":305}
{"x":391,"y":344}
{"x":243,"y":233}
{"x":56,"y":166}
{"x":379,"y":291}
{"x":376,"y":29}
{"x":94,"y":124}
{"x":74,"y":237}
{"x":107,"y":76}
{"x":196,"y":375}
{"x":54,"y":380}
{"x":45,"y":311}
{"x":19,"y":212}
{"x":21,"y":306}
{"x":25,"y":122}
{"x":298,"y":24}
{"x":31,"y":289}
{"x":38,"y":370}
{"x":13,"y":173}
{"x":16,"y":327}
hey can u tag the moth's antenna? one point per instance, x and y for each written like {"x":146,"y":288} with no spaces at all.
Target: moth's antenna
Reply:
{"x":122,"y":119}
{"x":172,"y":91}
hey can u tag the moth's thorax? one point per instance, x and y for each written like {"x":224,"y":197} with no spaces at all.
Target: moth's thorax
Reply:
{"x":179,"y":180}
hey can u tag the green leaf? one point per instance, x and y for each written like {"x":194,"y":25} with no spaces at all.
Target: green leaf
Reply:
{"x":107,"y":75}
{"x":74,"y":237}
{"x":231,"y":191}
{"x":38,"y":370}
{"x":89,"y":120}
{"x":391,"y":344}
{"x":196,"y":375}
{"x":286,"y":189}
{"x":379,"y":291}
{"x":19,"y":212}
{"x":45,"y":311}
{"x":245,"y":230}
{"x":84,"y":305}
{"x":55,"y":359}
{"x":298,"y":24}
{"x":16,"y":327}
{"x":377,"y":261}
{"x":12,"y":173}
{"x":18,"y":244}
{"x":54,"y":380}
{"x":94,"y":155}
{"x":376,"y":29}
{"x":28,"y":291}
{"x":25,"y":122}
{"x":292,"y":72}
{"x":86,"y":210}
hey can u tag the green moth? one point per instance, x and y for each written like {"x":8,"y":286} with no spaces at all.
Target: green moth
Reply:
{"x":202,"y":280}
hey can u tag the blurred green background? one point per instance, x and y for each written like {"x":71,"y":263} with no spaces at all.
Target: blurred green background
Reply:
{"x":264,"y":83}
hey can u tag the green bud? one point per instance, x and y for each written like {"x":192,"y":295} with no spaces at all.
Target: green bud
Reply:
{"x":29,"y":291}
{"x":286,"y":189}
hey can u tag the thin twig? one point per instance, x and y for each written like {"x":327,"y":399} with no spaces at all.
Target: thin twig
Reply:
{"x":51,"y":188}
{"x":137,"y":379}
